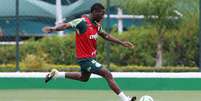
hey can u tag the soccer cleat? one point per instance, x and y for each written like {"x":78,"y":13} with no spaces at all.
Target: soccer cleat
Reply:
{"x":51,"y":75}
{"x":133,"y":98}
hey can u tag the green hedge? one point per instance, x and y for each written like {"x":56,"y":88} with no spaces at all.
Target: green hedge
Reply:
{"x":54,"y":49}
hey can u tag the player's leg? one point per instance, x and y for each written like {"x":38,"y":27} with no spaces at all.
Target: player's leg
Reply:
{"x":108,"y":77}
{"x":112,"y":84}
{"x":83,"y":76}
{"x":91,"y":65}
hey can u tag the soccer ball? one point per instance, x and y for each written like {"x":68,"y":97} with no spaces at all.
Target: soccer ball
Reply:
{"x":146,"y":98}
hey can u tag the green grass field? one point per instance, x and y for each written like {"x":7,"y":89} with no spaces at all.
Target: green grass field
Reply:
{"x":93,"y":95}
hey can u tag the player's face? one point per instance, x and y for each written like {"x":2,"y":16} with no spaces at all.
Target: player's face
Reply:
{"x":98,"y":15}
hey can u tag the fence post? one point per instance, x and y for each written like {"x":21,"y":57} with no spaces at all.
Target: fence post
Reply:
{"x":17,"y":36}
{"x":200,"y":35}
{"x":59,"y":18}
{"x":107,"y":43}
{"x":120,"y":20}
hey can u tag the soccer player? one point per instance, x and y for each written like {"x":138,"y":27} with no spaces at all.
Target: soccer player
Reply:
{"x":87,"y":30}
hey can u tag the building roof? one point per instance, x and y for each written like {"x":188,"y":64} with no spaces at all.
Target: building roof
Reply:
{"x":44,"y":8}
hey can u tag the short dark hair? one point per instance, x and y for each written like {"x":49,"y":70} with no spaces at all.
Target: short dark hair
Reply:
{"x":97,"y":6}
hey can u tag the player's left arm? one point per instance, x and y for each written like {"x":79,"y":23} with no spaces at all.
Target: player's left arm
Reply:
{"x":111,"y":38}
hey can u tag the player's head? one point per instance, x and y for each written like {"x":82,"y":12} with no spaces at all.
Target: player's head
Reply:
{"x":97,"y":12}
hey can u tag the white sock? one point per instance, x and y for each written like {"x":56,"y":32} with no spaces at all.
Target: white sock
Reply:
{"x":60,"y":75}
{"x":123,"y":96}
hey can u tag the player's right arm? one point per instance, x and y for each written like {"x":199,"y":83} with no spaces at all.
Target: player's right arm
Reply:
{"x":59,"y":27}
{"x":78,"y":24}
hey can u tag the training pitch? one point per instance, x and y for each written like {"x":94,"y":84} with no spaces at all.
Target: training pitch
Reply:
{"x":93,"y":95}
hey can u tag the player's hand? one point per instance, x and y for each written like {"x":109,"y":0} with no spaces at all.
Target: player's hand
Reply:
{"x":47,"y":29}
{"x":127,"y":44}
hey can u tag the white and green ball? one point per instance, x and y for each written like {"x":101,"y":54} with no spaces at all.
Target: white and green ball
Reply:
{"x":146,"y":98}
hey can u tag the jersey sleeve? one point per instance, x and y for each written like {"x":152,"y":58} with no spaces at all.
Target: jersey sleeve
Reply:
{"x":79,"y":24}
{"x":101,"y":30}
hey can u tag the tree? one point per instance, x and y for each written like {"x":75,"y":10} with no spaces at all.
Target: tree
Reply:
{"x":159,"y":13}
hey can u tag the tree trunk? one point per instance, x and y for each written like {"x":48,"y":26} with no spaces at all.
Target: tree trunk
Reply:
{"x":159,"y":52}
{"x":159,"y":55}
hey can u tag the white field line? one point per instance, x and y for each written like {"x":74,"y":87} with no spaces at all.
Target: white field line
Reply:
{"x":115,"y":75}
